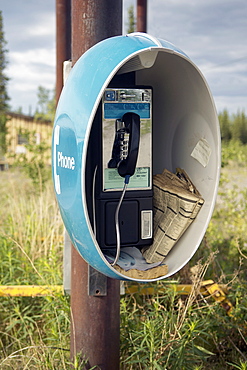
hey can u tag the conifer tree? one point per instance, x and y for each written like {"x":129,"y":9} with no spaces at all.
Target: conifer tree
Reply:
{"x":131,"y":24}
{"x":240,"y":127}
{"x":225,"y":125}
{"x":3,"y":63}
{"x":3,"y":90}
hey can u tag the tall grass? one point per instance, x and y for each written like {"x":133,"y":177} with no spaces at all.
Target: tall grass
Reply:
{"x":163,"y":331}
{"x":171,"y":331}
{"x":34,"y":332}
{"x":31,"y":232}
{"x":166,"y":331}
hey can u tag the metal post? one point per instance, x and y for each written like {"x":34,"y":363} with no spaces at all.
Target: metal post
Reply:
{"x":63,"y":40}
{"x":93,"y":21}
{"x":141,"y":24}
{"x":95,"y":326}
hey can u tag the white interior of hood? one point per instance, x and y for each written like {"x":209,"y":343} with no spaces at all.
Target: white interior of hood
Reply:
{"x":183,"y":116}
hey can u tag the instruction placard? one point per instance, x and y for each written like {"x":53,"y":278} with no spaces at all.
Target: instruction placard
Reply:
{"x":140,"y":179}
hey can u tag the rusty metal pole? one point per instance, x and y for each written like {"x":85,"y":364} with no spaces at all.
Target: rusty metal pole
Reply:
{"x":63,"y":40}
{"x":93,"y":21}
{"x":95,"y":320}
{"x":141,"y":24}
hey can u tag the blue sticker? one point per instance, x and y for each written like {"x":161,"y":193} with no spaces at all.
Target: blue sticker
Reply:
{"x":65,"y":160}
{"x":117,"y":110}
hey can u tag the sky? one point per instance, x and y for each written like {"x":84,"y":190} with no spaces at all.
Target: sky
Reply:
{"x":212,"y":33}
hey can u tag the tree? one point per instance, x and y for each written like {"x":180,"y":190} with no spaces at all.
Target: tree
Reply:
{"x":225,"y":125}
{"x":131,"y":24}
{"x":239,"y":130}
{"x":3,"y":78}
{"x":3,"y":90}
{"x":46,"y":105}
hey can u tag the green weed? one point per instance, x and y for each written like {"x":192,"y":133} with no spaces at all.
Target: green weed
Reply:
{"x":162,"y":331}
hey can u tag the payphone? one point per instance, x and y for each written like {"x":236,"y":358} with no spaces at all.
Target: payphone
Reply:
{"x":123,"y":189}
{"x":131,"y":107}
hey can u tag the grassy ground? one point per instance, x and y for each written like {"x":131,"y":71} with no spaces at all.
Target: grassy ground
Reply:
{"x":162,"y":331}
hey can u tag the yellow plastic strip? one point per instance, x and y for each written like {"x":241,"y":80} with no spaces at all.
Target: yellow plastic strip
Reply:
{"x":29,"y":290}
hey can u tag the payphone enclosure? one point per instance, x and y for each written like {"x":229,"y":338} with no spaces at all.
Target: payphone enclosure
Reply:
{"x":183,"y":117}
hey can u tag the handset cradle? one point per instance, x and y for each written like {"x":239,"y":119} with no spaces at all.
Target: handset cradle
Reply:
{"x":126,"y":144}
{"x":127,"y":166}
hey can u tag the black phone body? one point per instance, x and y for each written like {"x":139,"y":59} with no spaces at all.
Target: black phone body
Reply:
{"x":124,"y":127}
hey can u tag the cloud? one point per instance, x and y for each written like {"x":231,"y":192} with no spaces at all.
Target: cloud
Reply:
{"x":28,"y":70}
{"x":29,"y":28}
{"x":212,"y":33}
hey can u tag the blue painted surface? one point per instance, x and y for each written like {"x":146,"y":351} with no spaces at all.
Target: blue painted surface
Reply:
{"x":75,"y":112}
{"x":142,"y":109}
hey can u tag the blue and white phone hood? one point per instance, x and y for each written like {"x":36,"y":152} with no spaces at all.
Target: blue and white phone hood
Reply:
{"x":183,"y":115}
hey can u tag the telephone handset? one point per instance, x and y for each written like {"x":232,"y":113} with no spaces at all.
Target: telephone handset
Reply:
{"x":126,"y":144}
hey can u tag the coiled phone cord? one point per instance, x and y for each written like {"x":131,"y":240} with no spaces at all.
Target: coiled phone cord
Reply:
{"x":126,"y":181}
